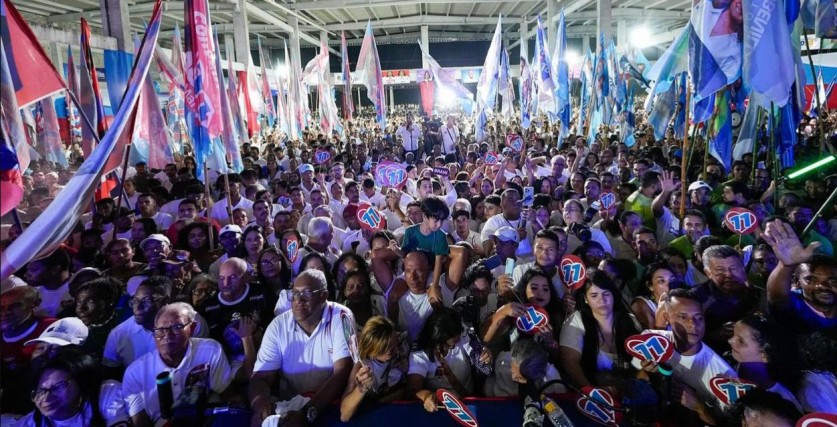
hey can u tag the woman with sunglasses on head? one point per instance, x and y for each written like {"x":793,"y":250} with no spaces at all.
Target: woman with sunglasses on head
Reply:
{"x":70,"y":393}
{"x":381,"y":372}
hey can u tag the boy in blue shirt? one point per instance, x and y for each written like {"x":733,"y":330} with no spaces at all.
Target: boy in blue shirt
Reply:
{"x":428,"y":236}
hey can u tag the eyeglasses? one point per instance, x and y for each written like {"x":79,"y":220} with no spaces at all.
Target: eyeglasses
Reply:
{"x":39,"y":394}
{"x":269,"y":262}
{"x":176,"y":328}
{"x":146,"y":302}
{"x":303,"y":296}
{"x":207,"y":292}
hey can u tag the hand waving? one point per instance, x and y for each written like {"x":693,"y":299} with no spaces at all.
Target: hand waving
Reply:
{"x":786,"y":245}
{"x":667,"y":183}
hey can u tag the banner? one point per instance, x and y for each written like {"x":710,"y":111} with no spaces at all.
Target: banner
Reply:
{"x":117,"y":71}
{"x":393,"y":77}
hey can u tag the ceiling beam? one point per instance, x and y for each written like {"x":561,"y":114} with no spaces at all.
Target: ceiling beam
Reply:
{"x":329,"y":4}
{"x":255,"y":12}
{"x":412,"y":21}
{"x":137,"y":9}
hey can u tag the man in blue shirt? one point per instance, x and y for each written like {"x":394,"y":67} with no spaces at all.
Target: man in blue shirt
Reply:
{"x":815,"y":309}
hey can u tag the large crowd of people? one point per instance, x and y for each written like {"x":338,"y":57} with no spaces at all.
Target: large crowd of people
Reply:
{"x":240,"y":288}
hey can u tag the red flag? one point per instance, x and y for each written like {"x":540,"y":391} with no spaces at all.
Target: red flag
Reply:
{"x":252,"y":115}
{"x":33,"y":75}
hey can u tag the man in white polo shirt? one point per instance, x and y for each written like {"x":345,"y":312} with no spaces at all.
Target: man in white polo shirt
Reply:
{"x":197,"y":367}
{"x":307,"y":348}
{"x":410,"y":134}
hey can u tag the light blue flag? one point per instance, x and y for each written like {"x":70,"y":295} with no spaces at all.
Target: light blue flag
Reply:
{"x":490,"y":75}
{"x":673,"y":61}
{"x":719,"y":130}
{"x":768,"y":57}
{"x":525,"y":86}
{"x":543,"y":76}
{"x":714,"y":46}
{"x":680,"y":118}
{"x":749,"y":126}
{"x":661,"y":115}
{"x":561,"y":74}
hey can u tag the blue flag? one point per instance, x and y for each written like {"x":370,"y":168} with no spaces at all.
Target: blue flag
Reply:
{"x":719,"y":131}
{"x":768,"y":58}
{"x":714,"y":46}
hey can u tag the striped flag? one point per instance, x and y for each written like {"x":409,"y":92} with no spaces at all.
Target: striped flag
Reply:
{"x":369,"y":67}
{"x":281,"y":108}
{"x":296,"y":108}
{"x":348,"y":103}
{"x":151,"y":141}
{"x":59,"y":219}
{"x":202,"y":96}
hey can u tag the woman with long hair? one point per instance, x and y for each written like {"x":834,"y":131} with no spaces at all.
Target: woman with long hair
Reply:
{"x":253,"y":242}
{"x":440,"y":359}
{"x":314,"y":260}
{"x":69,"y":392}
{"x":762,"y":355}
{"x":195,"y":239}
{"x":274,"y":273}
{"x":592,"y":350}
{"x":356,"y":294}
{"x":657,"y":280}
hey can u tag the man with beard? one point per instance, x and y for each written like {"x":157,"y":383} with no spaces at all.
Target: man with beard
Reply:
{"x":727,"y":296}
{"x":815,"y":309}
{"x":306,"y":346}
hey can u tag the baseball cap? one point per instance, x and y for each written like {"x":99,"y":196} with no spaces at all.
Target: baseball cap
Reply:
{"x":306,"y":167}
{"x":178,"y":258}
{"x":155,"y":238}
{"x":506,"y":234}
{"x":230,"y":228}
{"x":699,"y":184}
{"x":69,"y":330}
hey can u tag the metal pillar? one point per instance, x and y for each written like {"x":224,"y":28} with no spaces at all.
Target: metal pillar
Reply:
{"x":551,"y":28}
{"x":425,"y":44}
{"x":622,"y":33}
{"x":116,"y":22}
{"x":604,"y":13}
{"x":241,"y":33}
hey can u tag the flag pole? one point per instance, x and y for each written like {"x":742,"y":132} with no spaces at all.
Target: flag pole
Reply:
{"x":229,"y":199}
{"x":209,"y":195}
{"x":119,"y":198}
{"x":816,"y":89}
{"x":684,"y":160}
{"x":756,"y":140}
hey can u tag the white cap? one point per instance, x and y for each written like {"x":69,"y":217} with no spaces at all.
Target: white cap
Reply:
{"x":306,"y":167}
{"x":699,"y":184}
{"x":230,"y":227}
{"x":155,"y":238}
{"x":66,"y":331}
{"x":506,"y":233}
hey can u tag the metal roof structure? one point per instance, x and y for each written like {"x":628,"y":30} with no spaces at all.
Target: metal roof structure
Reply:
{"x":393,"y":21}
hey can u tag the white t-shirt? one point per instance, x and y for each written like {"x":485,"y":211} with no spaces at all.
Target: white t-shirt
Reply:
{"x":557,"y":283}
{"x":127,"y":342}
{"x":410,"y":137}
{"x":219,"y":210}
{"x":204,"y":365}
{"x":413,"y":311}
{"x":450,"y":136}
{"x":434,"y":376}
{"x":163,"y":221}
{"x":51,"y":300}
{"x":695,"y":370}
{"x":572,"y":336}
{"x":524,"y":249}
{"x":305,"y":362}
{"x":377,"y":200}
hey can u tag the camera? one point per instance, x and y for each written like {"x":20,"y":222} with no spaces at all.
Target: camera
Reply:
{"x":589,"y":214}
{"x":581,"y":231}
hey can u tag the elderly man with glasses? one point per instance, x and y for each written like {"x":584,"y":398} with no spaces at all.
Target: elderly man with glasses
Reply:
{"x":197,"y":367}
{"x":306,"y":348}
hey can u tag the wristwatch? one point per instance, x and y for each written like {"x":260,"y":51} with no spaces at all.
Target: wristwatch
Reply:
{"x":311,"y":414}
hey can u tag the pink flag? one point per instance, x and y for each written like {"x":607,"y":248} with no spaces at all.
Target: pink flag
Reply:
{"x":348,"y":102}
{"x":151,"y":140}
{"x":369,"y":69}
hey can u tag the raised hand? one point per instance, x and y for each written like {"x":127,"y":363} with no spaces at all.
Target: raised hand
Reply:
{"x":786,"y":245}
{"x":667,"y":183}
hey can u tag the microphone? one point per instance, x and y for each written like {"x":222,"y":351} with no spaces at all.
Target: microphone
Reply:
{"x":532,"y":416}
{"x":165,"y":395}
